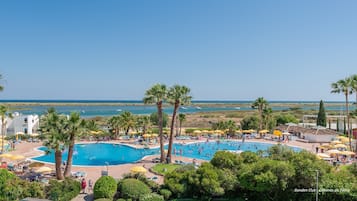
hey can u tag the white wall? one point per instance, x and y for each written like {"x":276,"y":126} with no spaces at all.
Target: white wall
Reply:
{"x":318,"y":138}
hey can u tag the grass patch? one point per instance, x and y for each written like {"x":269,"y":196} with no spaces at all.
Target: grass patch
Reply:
{"x":164,"y":168}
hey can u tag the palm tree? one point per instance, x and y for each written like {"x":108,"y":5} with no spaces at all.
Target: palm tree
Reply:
{"x":354,"y":85}
{"x":157,"y":95}
{"x":127,"y":121}
{"x":114,"y":125}
{"x":53,"y":127}
{"x":182,"y":118}
{"x":260,"y":104}
{"x":267,"y":117}
{"x":4,"y":111}
{"x":344,"y":86}
{"x":231,"y":126}
{"x":177,"y":95}
{"x":74,"y":127}
{"x":143,"y":123}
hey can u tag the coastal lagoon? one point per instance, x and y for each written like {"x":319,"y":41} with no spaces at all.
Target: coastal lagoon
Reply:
{"x":89,"y":108}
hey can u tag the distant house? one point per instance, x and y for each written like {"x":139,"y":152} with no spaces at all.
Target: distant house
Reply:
{"x":26,"y":124}
{"x":316,"y":134}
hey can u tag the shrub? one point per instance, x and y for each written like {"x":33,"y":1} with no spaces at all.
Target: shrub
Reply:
{"x":63,"y":190}
{"x":151,"y":197}
{"x":105,"y":187}
{"x":166,"y":193}
{"x":133,"y":188}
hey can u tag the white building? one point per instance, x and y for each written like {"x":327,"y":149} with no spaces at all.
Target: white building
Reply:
{"x":26,"y":124}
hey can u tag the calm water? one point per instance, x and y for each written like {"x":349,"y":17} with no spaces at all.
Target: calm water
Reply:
{"x":91,"y":108}
{"x":99,"y":154}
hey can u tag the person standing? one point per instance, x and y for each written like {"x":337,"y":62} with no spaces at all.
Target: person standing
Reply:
{"x":90,"y":186}
{"x":84,"y":185}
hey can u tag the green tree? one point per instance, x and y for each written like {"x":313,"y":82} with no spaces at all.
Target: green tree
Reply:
{"x":4,"y":112}
{"x":154,"y":119}
{"x":344,"y":86}
{"x":176,"y":96}
{"x":268,"y":119}
{"x":1,"y":87}
{"x":249,"y":122}
{"x":74,"y":126}
{"x":260,"y":104}
{"x":354,"y":85}
{"x":282,"y":119}
{"x":321,"y":116}
{"x":114,"y":124}
{"x":182,"y":118}
{"x":127,"y":121}
{"x":157,"y":94}
{"x":53,"y":127}
{"x":143,"y":123}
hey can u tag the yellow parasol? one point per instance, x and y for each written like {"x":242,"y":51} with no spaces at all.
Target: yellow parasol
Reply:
{"x":277,"y":133}
{"x":146,"y":135}
{"x":34,"y":134}
{"x":263,"y":131}
{"x":340,"y":146}
{"x":197,"y":132}
{"x":336,"y":142}
{"x":138,"y":169}
{"x":348,"y":153}
{"x":154,"y":135}
{"x":322,"y":155}
{"x":333,"y":151}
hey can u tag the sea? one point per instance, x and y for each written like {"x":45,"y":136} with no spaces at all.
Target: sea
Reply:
{"x":93,"y":108}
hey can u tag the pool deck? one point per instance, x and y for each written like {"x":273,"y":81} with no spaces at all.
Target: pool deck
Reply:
{"x":29,"y":149}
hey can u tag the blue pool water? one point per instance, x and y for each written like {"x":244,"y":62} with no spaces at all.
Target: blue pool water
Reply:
{"x":98,"y":154}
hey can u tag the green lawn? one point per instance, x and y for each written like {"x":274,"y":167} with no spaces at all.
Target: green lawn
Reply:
{"x":164,"y":168}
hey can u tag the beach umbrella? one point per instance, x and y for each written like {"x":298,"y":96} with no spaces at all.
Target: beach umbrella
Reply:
{"x":154,"y":135}
{"x":323,"y":155}
{"x":197,"y":132}
{"x":218,"y":131}
{"x":340,"y":146}
{"x":348,"y":153}
{"x":205,"y":131}
{"x":333,"y":151}
{"x":138,"y":169}
{"x":20,"y":133}
{"x":277,"y":133}
{"x":16,"y":157}
{"x":6,"y":155}
{"x":336,"y":142}
{"x":43,"y":169}
{"x":34,"y":134}
{"x":263,"y":131}
{"x":146,"y":135}
{"x":246,"y":131}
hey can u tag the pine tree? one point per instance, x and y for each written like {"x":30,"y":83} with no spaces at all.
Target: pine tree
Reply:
{"x":321,"y":116}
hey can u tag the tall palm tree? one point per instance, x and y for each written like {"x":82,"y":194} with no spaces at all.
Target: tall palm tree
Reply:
{"x":1,"y":87}
{"x":344,"y":86}
{"x":53,"y":128}
{"x":74,"y":127}
{"x":231,"y":126}
{"x":182,"y":118}
{"x":157,"y":95}
{"x":260,"y":104}
{"x":267,"y":117}
{"x":4,"y":111}
{"x":177,"y":95}
{"x":354,"y":85}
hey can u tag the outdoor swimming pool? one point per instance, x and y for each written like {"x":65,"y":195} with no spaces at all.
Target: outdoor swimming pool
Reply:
{"x":99,"y":154}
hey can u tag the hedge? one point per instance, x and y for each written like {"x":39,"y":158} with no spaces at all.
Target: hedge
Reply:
{"x":105,"y":187}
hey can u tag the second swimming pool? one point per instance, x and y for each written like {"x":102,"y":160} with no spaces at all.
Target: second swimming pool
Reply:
{"x":99,"y":154}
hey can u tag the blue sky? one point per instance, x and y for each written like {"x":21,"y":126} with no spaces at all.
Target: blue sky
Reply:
{"x":226,"y":50}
